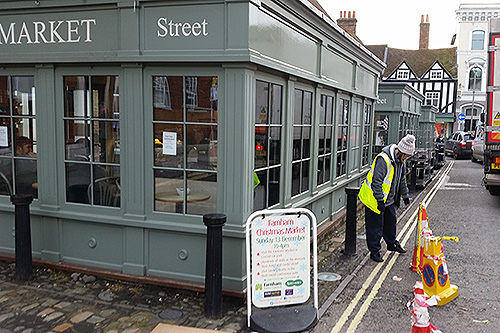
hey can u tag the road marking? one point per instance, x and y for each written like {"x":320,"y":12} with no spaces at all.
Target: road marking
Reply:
{"x":410,"y":226}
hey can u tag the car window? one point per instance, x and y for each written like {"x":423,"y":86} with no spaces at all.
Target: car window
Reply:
{"x":456,"y":136}
{"x":468,"y":136}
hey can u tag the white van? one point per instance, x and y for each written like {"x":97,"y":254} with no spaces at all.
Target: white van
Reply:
{"x":478,"y":145}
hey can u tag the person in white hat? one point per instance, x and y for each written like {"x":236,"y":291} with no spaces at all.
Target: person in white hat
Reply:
{"x":381,"y":194}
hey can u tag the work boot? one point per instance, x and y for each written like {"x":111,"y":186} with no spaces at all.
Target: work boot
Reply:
{"x":375,"y":256}
{"x":396,"y":247}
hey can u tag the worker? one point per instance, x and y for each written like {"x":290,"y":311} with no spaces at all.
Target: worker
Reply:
{"x":381,"y":194}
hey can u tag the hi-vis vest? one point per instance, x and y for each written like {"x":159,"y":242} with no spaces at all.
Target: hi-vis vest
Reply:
{"x":366,"y":192}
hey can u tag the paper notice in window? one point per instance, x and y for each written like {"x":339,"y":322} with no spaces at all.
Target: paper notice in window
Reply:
{"x":169,"y":143}
{"x":4,"y":136}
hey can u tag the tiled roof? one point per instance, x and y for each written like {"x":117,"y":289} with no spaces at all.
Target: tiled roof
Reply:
{"x":418,"y":60}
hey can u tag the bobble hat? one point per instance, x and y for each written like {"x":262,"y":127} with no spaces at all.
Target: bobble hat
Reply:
{"x":407,"y":145}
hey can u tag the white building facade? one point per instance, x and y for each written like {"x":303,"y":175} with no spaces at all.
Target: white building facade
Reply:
{"x":472,"y":51}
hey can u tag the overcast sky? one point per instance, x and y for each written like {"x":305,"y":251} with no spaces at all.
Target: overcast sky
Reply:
{"x":397,"y":22}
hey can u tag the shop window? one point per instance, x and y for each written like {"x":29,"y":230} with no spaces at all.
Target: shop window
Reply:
{"x":18,"y":143}
{"x":343,"y":127}
{"x":301,"y":150}
{"x":185,"y":145}
{"x":268,"y":138}
{"x":326,"y":133}
{"x":92,"y":136}
{"x":367,"y":116}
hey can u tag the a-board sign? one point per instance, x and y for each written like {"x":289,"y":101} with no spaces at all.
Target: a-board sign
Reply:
{"x":280,"y":256}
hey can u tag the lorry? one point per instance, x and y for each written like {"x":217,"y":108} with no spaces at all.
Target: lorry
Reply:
{"x":491,"y":118}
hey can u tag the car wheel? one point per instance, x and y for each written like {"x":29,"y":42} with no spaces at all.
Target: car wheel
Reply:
{"x":494,"y":190}
{"x":455,"y":153}
{"x":473,"y":159}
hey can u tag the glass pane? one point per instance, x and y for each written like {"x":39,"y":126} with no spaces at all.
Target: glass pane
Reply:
{"x":274,"y":186}
{"x":327,"y":168}
{"x":201,"y":150}
{"x":106,"y":142}
{"x":23,"y":95}
{"x":329,"y":110}
{"x":77,"y":136}
{"x":275,"y":146}
{"x":328,"y":140}
{"x":307,"y":108}
{"x":276,"y":104}
{"x":168,"y":145}
{"x":321,"y":147}
{"x":321,"y":170}
{"x":26,"y":178}
{"x":261,"y":148}
{"x":305,"y":176}
{"x":260,"y":191}
{"x":106,"y":186}
{"x":77,"y":182}
{"x":168,"y":104}
{"x":295,"y":179}
{"x":297,"y":108}
{"x":167,"y":198}
{"x":201,"y":99}
{"x":297,"y":148}
{"x":105,"y":97}
{"x":6,"y":147}
{"x":25,"y":128}
{"x":261,"y":102}
{"x":322,"y":110}
{"x":306,"y":139}
{"x":6,"y":176}
{"x":201,"y":193}
{"x":76,"y":96}
{"x":4,"y":96}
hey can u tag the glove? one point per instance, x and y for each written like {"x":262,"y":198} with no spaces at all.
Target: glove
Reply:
{"x":381,"y":206}
{"x":406,"y":201}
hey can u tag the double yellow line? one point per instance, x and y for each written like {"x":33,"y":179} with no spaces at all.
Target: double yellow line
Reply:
{"x":408,"y":229}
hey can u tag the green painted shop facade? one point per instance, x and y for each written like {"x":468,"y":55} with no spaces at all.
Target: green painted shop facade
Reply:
{"x":130,"y":120}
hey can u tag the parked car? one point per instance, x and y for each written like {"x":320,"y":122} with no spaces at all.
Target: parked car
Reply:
{"x":478,"y":147}
{"x":459,"y":144}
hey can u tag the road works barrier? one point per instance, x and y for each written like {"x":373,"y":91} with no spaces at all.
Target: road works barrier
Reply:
{"x":418,"y":307}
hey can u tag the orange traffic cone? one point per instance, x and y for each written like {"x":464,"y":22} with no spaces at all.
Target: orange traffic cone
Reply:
{"x":418,"y":307}
{"x":423,"y":228}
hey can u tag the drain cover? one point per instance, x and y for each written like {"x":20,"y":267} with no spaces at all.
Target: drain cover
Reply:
{"x":327,"y":276}
{"x":170,"y":314}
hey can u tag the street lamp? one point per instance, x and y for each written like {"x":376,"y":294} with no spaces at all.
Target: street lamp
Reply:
{"x":476,"y":72}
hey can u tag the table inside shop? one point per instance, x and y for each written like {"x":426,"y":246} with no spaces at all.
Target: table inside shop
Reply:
{"x":179,"y":199}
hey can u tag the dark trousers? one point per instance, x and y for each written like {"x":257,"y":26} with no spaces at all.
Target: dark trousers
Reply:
{"x":380,"y":225}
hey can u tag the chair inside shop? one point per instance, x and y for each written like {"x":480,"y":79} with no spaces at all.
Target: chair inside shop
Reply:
{"x":5,"y":187}
{"x":105,"y":192}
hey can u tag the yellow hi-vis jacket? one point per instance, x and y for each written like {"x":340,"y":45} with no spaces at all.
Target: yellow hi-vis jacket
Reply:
{"x":366,"y":191}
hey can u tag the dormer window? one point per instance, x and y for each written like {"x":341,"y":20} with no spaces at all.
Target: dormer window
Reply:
{"x":403,"y":74}
{"x":436,"y":74}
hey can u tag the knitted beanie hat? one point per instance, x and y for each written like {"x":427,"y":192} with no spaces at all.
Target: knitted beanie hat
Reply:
{"x":407,"y":145}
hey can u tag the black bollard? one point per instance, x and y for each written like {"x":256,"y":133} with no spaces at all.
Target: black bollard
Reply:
{"x":350,"y":223}
{"x":413,"y":177}
{"x":24,"y":264}
{"x":213,"y":271}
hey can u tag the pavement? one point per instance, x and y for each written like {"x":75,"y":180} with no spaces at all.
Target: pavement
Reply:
{"x":61,"y":301}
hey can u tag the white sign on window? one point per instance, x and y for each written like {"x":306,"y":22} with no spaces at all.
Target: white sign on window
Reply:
{"x":4,"y":136}
{"x":170,"y":143}
{"x":280,"y":260}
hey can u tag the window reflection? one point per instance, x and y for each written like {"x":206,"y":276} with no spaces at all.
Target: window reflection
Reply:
{"x":185,"y":143}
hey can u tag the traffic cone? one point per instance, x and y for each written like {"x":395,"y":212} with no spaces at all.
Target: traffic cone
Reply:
{"x":423,"y":229}
{"x":418,"y":307}
{"x":435,"y":271}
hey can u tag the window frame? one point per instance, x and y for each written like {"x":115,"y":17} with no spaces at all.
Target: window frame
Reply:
{"x":324,"y":171}
{"x":476,"y":43}
{"x":340,"y":128}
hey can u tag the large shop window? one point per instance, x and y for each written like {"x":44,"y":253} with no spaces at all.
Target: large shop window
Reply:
{"x":343,"y":127}
{"x":92,"y":134}
{"x":301,"y":152}
{"x":185,"y":144}
{"x":326,"y":132}
{"x":268,"y":135}
{"x":18,"y":136}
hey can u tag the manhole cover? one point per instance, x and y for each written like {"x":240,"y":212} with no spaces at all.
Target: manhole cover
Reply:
{"x":170,"y":314}
{"x":327,"y":276}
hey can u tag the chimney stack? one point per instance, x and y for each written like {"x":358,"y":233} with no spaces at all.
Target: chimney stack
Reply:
{"x":424,"y":33}
{"x":348,"y":22}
